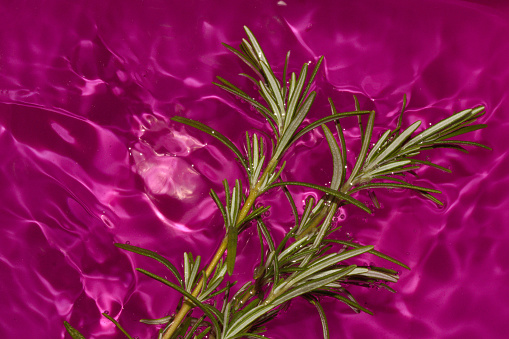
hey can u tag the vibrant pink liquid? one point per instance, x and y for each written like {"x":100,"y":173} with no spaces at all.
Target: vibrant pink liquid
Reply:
{"x":89,"y":157}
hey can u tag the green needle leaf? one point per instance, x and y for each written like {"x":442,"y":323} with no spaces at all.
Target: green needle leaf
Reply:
{"x":152,"y":255}
{"x":322,"y":121}
{"x":430,"y":164}
{"x":243,"y":58}
{"x":75,"y":334}
{"x":232,"y":249}
{"x":364,"y":149}
{"x":352,"y":304}
{"x":256,"y":46}
{"x":215,"y":134}
{"x":299,"y":117}
{"x":393,"y":166}
{"x":455,"y":143}
{"x":219,"y":204}
{"x":117,"y":325}
{"x":327,"y":190}
{"x":195,"y":327}
{"x":393,"y":185}
{"x":294,"y":95}
{"x":441,"y":125}
{"x":374,"y":252}
{"x":461,"y":131}
{"x":188,"y":295}
{"x":203,"y":334}
{"x":315,"y":284}
{"x":313,"y":75}
{"x":377,"y":148}
{"x":336,"y":159}
{"x":394,"y":146}
{"x":249,"y":335}
{"x":229,"y":87}
{"x":323,"y":318}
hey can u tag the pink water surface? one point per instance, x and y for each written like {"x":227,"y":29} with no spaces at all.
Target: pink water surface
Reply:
{"x":88,"y":156}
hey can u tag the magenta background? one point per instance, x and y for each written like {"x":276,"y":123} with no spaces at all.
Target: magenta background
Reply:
{"x":89,"y":157}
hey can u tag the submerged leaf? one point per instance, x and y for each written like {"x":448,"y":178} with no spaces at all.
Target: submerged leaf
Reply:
{"x":215,"y":134}
{"x":152,"y":255}
{"x":75,"y":334}
{"x":117,"y":325}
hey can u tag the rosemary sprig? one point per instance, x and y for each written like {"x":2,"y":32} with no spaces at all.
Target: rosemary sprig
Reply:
{"x":308,"y":262}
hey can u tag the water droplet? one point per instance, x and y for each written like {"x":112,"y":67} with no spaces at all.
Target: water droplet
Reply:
{"x":128,"y":242}
{"x":106,"y":312}
{"x":342,"y":216}
{"x":107,"y":221}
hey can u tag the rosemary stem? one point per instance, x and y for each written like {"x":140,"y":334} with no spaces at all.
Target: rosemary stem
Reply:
{"x":248,"y":204}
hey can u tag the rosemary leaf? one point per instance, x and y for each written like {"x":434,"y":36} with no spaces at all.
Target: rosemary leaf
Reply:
{"x":352,"y":304}
{"x":337,"y":194}
{"x":323,"y":318}
{"x":188,"y":295}
{"x":215,"y":134}
{"x":364,"y":148}
{"x":75,"y":334}
{"x":203,"y":334}
{"x":393,"y":147}
{"x":337,"y":178}
{"x":152,"y":255}
{"x":393,"y":185}
{"x":284,"y":143}
{"x":242,"y":57}
{"x":441,"y":125}
{"x":117,"y":325}
{"x":231,"y":249}
{"x":308,"y":287}
{"x":312,"y":77}
{"x":322,"y":121}
{"x":374,"y":252}
{"x":194,"y":328}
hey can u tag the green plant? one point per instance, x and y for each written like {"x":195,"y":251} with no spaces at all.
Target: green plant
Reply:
{"x":308,"y":262}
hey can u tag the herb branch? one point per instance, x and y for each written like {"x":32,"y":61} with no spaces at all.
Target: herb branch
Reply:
{"x":308,"y":262}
